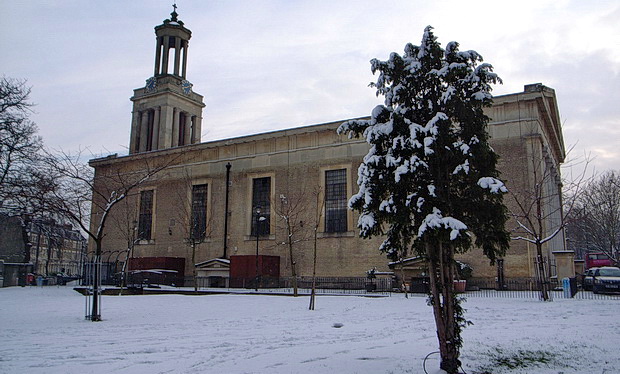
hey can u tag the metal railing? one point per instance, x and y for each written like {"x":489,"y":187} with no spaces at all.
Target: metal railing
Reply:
{"x":323,"y":285}
{"x":518,"y":288}
{"x":91,"y":279}
{"x":522,"y":288}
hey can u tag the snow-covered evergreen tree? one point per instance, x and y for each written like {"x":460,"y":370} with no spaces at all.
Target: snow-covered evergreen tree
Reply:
{"x":429,"y":179}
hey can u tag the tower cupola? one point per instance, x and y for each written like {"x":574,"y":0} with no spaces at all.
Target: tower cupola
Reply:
{"x":167,"y":112}
{"x":173,"y":37}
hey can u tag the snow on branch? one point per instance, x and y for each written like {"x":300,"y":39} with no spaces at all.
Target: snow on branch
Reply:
{"x":493,"y":184}
{"x":436,"y":221}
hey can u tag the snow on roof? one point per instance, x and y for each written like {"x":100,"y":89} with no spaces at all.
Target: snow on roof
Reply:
{"x":154,"y":271}
{"x":405,"y":260}
{"x":384,"y":273}
{"x":18,"y":263}
{"x":220,"y":260}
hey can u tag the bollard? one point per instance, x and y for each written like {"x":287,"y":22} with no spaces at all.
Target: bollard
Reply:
{"x":566,"y":288}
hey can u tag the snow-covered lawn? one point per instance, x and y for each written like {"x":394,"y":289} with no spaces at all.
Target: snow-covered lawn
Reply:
{"x":42,"y":330}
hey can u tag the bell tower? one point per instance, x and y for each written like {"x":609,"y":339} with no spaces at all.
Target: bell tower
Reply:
{"x":167,"y":113}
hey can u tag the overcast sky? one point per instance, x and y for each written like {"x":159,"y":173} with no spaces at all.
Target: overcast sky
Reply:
{"x":269,"y":65}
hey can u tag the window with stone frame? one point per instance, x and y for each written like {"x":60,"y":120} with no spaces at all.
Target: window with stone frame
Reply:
{"x":261,"y":192}
{"x":336,"y":200}
{"x":199,"y":212}
{"x":145,"y":216}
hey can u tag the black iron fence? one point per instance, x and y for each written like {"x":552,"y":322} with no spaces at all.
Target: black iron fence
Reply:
{"x":523,"y":288}
{"x":341,"y":283}
{"x":323,"y":285}
{"x":107,"y":273}
{"x":518,"y":288}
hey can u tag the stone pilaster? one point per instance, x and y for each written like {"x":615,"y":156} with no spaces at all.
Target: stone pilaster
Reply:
{"x":144,"y":123}
{"x":196,"y":129}
{"x":165,"y":127}
{"x":155,"y":136}
{"x":133,"y":139}
{"x":564,"y":264}
{"x":175,"y":127}
{"x":187,"y":130}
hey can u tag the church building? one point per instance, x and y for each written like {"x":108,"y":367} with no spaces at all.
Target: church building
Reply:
{"x":221,"y":200}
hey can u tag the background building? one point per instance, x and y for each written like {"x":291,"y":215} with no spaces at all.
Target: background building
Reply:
{"x":40,"y":246}
{"x":56,"y":248}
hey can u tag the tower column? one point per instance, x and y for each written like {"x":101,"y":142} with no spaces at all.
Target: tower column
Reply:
{"x":175,"y":127}
{"x":157,"y":56}
{"x":155,"y":141}
{"x":184,"y":72}
{"x":177,"y":54}
{"x":164,"y":69}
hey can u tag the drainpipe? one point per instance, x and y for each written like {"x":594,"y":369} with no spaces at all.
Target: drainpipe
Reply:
{"x":228,"y":165}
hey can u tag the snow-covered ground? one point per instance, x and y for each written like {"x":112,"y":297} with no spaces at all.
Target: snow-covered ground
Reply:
{"x":42,"y":330}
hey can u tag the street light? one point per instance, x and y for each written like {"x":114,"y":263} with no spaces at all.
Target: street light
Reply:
{"x":256,"y":232}
{"x":259,"y":219}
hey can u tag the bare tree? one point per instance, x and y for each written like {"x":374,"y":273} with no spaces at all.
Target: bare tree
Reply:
{"x":292,"y":212}
{"x":25,"y":200}
{"x":19,"y":145}
{"x":126,"y":222}
{"x":595,"y":222}
{"x":87,"y":199}
{"x":21,"y":159}
{"x":539,"y":208}
{"x":320,"y":204}
{"x":193,"y":214}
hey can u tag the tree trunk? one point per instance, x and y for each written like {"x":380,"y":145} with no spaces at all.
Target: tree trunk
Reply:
{"x":36,"y":259}
{"x":313,"y":291}
{"x":293,"y":268}
{"x":402,"y":277}
{"x":194,"y":266}
{"x":443,"y":302}
{"x":49,"y":255}
{"x":124,"y":271}
{"x":94,"y":315}
{"x":542,"y":279}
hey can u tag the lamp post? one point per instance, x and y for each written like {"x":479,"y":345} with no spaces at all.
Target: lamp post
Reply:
{"x":256,"y":231}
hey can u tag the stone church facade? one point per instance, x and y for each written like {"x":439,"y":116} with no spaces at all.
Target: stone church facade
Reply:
{"x":234,"y":196}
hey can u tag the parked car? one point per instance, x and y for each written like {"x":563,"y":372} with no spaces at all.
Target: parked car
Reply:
{"x":606,"y":279}
{"x":588,"y":279}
